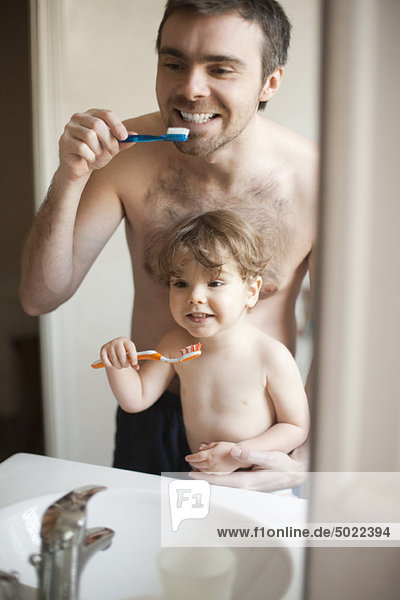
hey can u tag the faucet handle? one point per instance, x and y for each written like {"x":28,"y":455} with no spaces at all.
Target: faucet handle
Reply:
{"x":9,"y":586}
{"x":67,"y":544}
{"x":79,"y":497}
{"x":64,"y":521}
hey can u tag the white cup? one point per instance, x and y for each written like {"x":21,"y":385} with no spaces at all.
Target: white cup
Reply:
{"x":197,"y":573}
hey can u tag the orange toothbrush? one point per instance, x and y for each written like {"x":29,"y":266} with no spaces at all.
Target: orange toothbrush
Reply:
{"x":192,"y":351}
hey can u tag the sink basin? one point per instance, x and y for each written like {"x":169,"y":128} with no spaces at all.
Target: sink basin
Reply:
{"x":128,"y":568}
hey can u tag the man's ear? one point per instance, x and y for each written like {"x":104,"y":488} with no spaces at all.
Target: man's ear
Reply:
{"x":253,"y":288}
{"x":272,"y":85}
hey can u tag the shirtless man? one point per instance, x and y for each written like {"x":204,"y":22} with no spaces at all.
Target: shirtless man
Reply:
{"x":214,"y":69}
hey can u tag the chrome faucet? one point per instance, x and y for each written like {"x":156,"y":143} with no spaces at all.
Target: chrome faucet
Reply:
{"x":67,"y":545}
{"x":9,"y":586}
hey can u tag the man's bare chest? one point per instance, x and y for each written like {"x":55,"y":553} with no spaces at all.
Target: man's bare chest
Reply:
{"x":267,"y":206}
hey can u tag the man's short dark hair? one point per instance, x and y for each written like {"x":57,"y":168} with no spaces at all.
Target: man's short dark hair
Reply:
{"x":269,"y":14}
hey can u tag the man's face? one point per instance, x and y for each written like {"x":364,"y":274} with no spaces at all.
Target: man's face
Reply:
{"x":209,"y":77}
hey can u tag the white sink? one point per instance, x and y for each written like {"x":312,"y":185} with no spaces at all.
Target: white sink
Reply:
{"x":128,"y":568}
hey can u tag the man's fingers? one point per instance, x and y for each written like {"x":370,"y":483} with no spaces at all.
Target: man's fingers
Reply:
{"x":97,"y":135}
{"x":90,"y":140}
{"x":261,"y":481}
{"x":113,"y":122}
{"x":263,"y":460}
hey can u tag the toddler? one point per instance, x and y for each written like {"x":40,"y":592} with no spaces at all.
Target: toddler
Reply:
{"x":245,"y":389}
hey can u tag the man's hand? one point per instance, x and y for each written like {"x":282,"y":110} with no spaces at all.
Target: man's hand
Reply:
{"x":271,"y":471}
{"x":214,"y":458}
{"x":90,"y":141}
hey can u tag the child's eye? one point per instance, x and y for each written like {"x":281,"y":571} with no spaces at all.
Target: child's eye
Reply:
{"x":179,"y":284}
{"x":215,"y":283}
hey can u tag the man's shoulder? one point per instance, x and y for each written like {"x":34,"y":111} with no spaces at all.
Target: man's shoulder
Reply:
{"x":293,"y":158}
{"x":286,"y":141}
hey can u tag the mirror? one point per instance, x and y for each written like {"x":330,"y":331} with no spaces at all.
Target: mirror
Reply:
{"x":101,"y":53}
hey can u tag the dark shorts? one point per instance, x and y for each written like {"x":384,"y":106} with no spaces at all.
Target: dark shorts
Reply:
{"x":152,"y":441}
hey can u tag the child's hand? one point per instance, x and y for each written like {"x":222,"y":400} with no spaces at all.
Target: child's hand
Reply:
{"x":120,"y":354}
{"x":214,"y":458}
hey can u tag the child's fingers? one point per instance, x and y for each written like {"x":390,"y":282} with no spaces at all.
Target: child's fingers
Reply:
{"x":198,"y":457}
{"x":107,"y":355}
{"x":119,"y":353}
{"x":104,"y":357}
{"x":131,"y":354}
{"x":193,"y":458}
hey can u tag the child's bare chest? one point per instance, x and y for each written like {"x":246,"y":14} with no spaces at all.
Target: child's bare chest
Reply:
{"x":226,"y":399}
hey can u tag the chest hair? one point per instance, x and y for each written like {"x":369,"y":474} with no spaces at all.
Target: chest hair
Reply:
{"x":175,"y":196}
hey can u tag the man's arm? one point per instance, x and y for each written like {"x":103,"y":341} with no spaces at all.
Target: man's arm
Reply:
{"x":77,"y":217}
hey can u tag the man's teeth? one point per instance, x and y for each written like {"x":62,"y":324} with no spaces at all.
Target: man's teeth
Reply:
{"x":197,"y":117}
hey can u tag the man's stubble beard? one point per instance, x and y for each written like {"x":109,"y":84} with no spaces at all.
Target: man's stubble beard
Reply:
{"x":204,"y":149}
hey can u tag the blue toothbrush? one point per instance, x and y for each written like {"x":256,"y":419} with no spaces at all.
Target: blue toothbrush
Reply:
{"x":174,"y":134}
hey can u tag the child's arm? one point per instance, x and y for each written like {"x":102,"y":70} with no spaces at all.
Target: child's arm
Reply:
{"x":134,"y":391}
{"x":286,"y":390}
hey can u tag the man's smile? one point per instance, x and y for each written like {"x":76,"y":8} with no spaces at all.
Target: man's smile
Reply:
{"x":197,"y":117}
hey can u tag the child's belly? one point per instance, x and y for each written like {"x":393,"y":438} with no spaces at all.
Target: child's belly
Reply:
{"x":235,"y":425}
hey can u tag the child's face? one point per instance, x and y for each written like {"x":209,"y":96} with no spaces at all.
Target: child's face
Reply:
{"x":205,"y":304}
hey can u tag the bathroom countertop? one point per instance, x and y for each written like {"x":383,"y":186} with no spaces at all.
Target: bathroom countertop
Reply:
{"x":24,"y":476}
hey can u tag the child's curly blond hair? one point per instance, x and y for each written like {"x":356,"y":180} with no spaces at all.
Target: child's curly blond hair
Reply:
{"x":211,"y":239}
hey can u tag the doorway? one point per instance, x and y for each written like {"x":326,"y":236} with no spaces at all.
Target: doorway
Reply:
{"x":21,"y":415}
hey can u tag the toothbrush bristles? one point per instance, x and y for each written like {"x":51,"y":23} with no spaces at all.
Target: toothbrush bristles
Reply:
{"x":177,"y":134}
{"x":191,"y":348}
{"x":179,"y":130}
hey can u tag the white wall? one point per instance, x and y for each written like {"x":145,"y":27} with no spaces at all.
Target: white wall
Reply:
{"x":297,"y":103}
{"x":101,"y":53}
